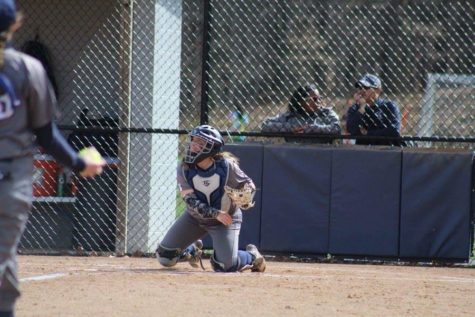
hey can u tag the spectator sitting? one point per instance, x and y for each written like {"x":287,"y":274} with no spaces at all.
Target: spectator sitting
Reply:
{"x":371,"y":115}
{"x":305,"y":114}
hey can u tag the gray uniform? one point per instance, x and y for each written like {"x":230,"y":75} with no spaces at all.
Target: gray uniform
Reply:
{"x":35,"y":109}
{"x":324,"y":121}
{"x":209,"y":187}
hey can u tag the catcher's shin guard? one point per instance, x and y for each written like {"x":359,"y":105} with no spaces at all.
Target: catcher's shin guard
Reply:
{"x":258,"y":261}
{"x":193,"y":254}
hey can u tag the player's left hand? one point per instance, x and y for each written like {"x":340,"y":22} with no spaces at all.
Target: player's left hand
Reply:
{"x":242,"y":198}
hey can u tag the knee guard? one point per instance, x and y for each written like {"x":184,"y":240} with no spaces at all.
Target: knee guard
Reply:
{"x":167,"y":257}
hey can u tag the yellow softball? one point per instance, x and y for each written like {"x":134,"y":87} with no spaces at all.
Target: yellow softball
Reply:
{"x":92,"y":155}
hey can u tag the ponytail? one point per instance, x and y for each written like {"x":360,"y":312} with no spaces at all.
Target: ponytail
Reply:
{"x":3,"y":42}
{"x":227,"y":156}
{"x":6,"y":86}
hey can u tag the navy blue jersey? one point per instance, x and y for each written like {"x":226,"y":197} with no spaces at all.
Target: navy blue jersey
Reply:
{"x":208,"y":185}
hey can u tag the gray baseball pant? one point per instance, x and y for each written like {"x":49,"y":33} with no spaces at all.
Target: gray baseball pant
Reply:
{"x":16,"y":193}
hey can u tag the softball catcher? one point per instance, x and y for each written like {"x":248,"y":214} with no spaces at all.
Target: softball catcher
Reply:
{"x":27,"y":105}
{"x":215,"y":190}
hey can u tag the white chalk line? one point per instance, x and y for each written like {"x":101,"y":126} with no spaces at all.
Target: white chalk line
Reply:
{"x":323,"y":274}
{"x":42,"y":277}
{"x":320,"y":275}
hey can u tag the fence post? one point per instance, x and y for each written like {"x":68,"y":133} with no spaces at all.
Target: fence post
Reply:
{"x":154,"y":102}
{"x":205,"y":62}
{"x":124,"y":137}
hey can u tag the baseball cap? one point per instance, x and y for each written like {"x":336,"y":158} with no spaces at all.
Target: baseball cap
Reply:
{"x":369,"y":80}
{"x":7,"y":14}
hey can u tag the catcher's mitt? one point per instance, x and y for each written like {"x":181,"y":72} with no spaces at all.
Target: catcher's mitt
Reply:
{"x":242,"y":198}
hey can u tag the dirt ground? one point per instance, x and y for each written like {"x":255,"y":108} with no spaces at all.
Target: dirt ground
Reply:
{"x":110,"y":286}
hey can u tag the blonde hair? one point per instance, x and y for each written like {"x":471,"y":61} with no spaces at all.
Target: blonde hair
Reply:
{"x":227,"y":156}
{"x":219,"y":156}
{"x":19,"y":17}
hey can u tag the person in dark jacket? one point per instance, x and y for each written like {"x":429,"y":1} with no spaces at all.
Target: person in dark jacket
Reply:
{"x":306,"y":114}
{"x":371,"y":115}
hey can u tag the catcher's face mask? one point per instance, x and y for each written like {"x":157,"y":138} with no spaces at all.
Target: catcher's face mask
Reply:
{"x":205,"y":141}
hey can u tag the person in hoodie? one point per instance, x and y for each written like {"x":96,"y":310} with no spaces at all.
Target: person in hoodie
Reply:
{"x":306,"y":114}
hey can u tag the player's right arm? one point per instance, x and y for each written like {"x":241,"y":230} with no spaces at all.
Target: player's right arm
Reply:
{"x":42,"y":105}
{"x":196,"y":205}
{"x":204,"y":209}
{"x":49,"y":138}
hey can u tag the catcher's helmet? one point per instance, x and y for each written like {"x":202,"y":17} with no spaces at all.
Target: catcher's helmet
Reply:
{"x":213,"y":144}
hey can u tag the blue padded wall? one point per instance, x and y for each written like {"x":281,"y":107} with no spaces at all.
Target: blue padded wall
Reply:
{"x":365,"y":193}
{"x":295,"y":198}
{"x":250,"y":158}
{"x":435,"y":204}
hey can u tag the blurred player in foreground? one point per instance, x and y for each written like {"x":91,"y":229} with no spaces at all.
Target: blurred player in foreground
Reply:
{"x":27,"y":105}
{"x":215,"y":190}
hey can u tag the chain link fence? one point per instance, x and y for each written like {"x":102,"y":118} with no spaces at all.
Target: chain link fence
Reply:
{"x":132,"y":77}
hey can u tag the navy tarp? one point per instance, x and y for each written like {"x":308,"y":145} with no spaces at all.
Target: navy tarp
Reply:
{"x":435,"y":204}
{"x":296,"y":199}
{"x":365,"y":193}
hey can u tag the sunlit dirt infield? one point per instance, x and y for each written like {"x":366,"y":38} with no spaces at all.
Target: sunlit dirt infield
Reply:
{"x":123,"y":286}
